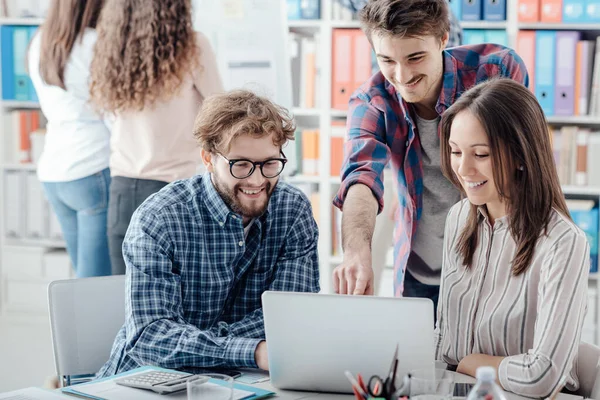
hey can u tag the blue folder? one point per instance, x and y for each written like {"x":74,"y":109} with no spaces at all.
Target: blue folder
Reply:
{"x":472,"y":10}
{"x":592,"y":8}
{"x":545,"y":60}
{"x":456,"y":8}
{"x":293,"y":9}
{"x":496,"y":36}
{"x":21,"y":78}
{"x":574,"y":11}
{"x":32,"y":93}
{"x":473,"y":36}
{"x":8,"y":69}
{"x":494,"y":10}
{"x":309,"y":9}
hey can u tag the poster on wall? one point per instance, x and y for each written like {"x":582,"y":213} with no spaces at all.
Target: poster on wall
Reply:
{"x":250,"y":40}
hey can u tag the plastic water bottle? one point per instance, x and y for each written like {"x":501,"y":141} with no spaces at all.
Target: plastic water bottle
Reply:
{"x":486,"y":387}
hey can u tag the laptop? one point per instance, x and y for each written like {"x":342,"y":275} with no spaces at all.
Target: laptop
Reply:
{"x":313,"y":338}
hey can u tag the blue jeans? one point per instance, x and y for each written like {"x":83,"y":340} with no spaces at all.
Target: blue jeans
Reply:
{"x":81,"y":207}
{"x":414,"y":288}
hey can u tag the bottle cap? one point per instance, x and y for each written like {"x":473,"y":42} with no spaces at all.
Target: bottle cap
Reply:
{"x":486,"y":374}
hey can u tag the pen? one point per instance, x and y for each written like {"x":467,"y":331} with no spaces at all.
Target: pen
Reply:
{"x":558,"y":388}
{"x":355,"y":385}
{"x":361,"y":383}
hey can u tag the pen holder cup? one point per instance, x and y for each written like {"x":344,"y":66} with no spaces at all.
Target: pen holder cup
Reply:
{"x":431,"y":384}
{"x":203,"y":388}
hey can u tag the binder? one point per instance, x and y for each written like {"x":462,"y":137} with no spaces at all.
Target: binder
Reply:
{"x":526,"y":49}
{"x":338,"y":132}
{"x":13,"y":197}
{"x":592,"y":11}
{"x":32,"y":93}
{"x":472,"y":10}
{"x":574,"y":11}
{"x":293,"y":9}
{"x":8,"y":82}
{"x":473,"y":36}
{"x":361,"y":57}
{"x":529,"y":10}
{"x":497,"y":36}
{"x":545,"y":69}
{"x":35,"y":219}
{"x":22,"y":81}
{"x":309,"y":9}
{"x":295,"y":51}
{"x":342,"y":74}
{"x":494,"y":10}
{"x":584,"y":62}
{"x":551,"y":11}
{"x":456,"y":8}
{"x":564,"y":96}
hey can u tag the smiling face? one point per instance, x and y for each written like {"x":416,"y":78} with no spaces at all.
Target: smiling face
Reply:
{"x":250,"y":196}
{"x":472,"y":163}
{"x":414,"y":65}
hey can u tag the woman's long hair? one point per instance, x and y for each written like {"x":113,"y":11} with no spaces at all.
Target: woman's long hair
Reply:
{"x":66,"y":22}
{"x":144,"y":51}
{"x":522,"y":160}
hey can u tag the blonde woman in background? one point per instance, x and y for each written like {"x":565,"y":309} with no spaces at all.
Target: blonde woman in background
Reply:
{"x":73,"y":166}
{"x":152,"y":71}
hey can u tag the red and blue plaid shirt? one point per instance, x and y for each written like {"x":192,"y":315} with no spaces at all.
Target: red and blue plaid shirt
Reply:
{"x":381,"y":128}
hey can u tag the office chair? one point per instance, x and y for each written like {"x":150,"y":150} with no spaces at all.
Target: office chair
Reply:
{"x":588,"y":371}
{"x":85,"y":316}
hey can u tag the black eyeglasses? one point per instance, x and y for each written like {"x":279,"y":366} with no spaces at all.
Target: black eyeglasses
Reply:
{"x":241,"y":168}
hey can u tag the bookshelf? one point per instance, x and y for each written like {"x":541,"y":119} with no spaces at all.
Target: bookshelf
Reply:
{"x":325,"y":114}
{"x":27,"y":261}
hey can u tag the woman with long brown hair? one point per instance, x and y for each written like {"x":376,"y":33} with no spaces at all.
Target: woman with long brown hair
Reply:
{"x":152,"y":71}
{"x":73,"y":166}
{"x":515,"y":266}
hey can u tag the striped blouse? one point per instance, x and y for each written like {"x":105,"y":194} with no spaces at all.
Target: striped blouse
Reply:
{"x":534,"y":320}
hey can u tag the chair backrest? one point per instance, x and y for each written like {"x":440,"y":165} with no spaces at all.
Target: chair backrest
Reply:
{"x":588,"y":371}
{"x":85,"y":316}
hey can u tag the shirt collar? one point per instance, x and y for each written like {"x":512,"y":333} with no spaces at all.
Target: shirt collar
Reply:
{"x":449,"y":82}
{"x":483,"y":215}
{"x":217,"y":207}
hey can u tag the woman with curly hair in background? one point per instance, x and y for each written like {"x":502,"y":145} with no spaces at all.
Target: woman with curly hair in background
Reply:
{"x":152,"y":71}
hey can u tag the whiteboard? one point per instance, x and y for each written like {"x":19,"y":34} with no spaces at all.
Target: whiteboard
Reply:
{"x":250,"y":39}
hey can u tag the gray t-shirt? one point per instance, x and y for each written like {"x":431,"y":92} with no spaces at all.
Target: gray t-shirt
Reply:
{"x":425,"y":259}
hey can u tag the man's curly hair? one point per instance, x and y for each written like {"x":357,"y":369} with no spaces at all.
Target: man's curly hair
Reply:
{"x":144,"y":50}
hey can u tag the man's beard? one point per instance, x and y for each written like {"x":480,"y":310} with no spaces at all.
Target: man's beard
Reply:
{"x":231,"y":197}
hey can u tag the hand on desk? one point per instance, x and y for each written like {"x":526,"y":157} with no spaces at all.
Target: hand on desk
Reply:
{"x":354,"y":275}
{"x":261,"y":356}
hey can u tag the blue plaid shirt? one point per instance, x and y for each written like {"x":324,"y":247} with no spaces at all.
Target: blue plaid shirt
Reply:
{"x":194,"y":282}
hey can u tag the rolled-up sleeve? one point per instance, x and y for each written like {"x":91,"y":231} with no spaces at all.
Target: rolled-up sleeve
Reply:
{"x":562,"y":302}
{"x":365,"y":151}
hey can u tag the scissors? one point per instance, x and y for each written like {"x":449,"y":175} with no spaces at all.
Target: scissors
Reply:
{"x":385,"y":388}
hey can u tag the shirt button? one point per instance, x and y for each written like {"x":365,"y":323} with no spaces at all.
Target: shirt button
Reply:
{"x":406,"y":144}
{"x":241,"y":243}
{"x":221,"y":224}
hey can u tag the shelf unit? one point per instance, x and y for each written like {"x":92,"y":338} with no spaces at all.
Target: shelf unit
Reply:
{"x":325,"y":114}
{"x":23,"y":260}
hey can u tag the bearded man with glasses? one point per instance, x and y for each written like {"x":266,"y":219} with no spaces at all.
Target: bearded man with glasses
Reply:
{"x":201,"y":252}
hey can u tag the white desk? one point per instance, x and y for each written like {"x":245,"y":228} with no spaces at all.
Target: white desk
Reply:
{"x":459,"y":378}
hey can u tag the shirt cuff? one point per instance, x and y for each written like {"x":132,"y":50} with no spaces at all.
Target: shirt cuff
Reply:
{"x":365,"y":179}
{"x":502,"y":373}
{"x":239,"y":352}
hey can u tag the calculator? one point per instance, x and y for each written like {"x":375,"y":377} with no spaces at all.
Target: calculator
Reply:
{"x":157,"y":381}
